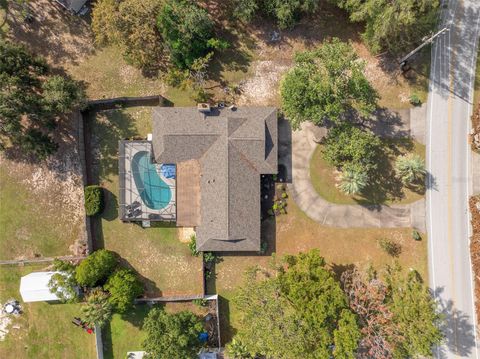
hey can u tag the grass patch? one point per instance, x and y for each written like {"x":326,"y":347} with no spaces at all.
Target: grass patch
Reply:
{"x":164,"y":264}
{"x":44,"y":330}
{"x":341,"y":248}
{"x":386,"y":189}
{"x":476,"y":86}
{"x":28,"y":226}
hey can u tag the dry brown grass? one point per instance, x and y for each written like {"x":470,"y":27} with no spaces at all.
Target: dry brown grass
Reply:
{"x":475,"y":249}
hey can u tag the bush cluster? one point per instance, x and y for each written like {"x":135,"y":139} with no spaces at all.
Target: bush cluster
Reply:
{"x":93,"y":200}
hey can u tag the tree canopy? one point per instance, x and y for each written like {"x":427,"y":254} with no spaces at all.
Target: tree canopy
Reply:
{"x":300,"y":312}
{"x":95,"y":269}
{"x":97,"y":310}
{"x":349,"y":147}
{"x":393,"y":26}
{"x":31,"y":100}
{"x":285,"y":12}
{"x":123,"y":286}
{"x":187,"y":31}
{"x":324,"y":84}
{"x":172,"y":336}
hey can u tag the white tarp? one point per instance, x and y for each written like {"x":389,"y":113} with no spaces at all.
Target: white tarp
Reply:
{"x":34,"y":287}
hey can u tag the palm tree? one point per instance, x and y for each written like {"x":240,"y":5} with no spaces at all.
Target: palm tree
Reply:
{"x":97,"y":309}
{"x":353,"y":180}
{"x":410,"y":168}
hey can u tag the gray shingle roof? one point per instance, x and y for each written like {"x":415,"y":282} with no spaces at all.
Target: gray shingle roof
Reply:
{"x":233,"y":148}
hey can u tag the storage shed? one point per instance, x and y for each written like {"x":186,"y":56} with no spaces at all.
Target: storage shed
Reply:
{"x":34,"y":287}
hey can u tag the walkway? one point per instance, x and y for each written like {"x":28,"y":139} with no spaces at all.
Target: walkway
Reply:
{"x":338,"y":215}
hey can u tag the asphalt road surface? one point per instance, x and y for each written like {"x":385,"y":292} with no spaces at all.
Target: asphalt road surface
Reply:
{"x":448,"y":163}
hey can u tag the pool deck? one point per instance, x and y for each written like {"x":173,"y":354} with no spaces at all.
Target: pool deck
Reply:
{"x":131,"y":206}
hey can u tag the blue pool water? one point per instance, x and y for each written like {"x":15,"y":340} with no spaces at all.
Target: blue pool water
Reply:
{"x":155,"y":193}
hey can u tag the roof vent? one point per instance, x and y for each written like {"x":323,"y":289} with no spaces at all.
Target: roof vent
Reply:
{"x":203,"y":107}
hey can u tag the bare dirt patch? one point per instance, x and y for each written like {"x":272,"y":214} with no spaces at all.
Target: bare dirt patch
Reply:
{"x":475,"y":248}
{"x":57,"y":35}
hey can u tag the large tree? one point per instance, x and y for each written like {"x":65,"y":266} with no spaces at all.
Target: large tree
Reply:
{"x":398,"y":316}
{"x":131,"y":24}
{"x":299,"y":312}
{"x":31,"y":99}
{"x":95,"y":269}
{"x":394,"y":26}
{"x":187,"y":31}
{"x":124,"y":287}
{"x":285,"y":12}
{"x":325,"y":83}
{"x":97,"y":310}
{"x":172,"y":336}
{"x":415,"y":313}
{"x":351,"y":148}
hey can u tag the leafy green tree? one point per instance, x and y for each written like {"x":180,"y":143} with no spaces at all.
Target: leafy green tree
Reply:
{"x":415,"y":314}
{"x":298,"y":313}
{"x":29,"y":105}
{"x":324,"y":84}
{"x":131,"y":24}
{"x":123,"y":287}
{"x":187,"y":31}
{"x":61,"y":94}
{"x":97,"y":309}
{"x":285,"y":12}
{"x":346,"y":336}
{"x":394,"y":26}
{"x":172,"y":336}
{"x":410,"y":168}
{"x":353,"y":179}
{"x":352,"y":148}
{"x":95,"y":269}
{"x":93,"y":200}
{"x":63,"y":283}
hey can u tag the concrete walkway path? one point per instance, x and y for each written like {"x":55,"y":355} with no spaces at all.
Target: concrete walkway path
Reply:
{"x":338,"y":215}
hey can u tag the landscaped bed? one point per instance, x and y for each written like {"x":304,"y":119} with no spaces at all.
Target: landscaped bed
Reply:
{"x":388,"y":189}
{"x":162,"y":261}
{"x":43,"y":330}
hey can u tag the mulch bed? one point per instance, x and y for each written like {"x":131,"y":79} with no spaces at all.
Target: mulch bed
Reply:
{"x":475,"y":249}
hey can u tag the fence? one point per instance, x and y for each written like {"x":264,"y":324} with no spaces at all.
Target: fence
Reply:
{"x":120,"y":102}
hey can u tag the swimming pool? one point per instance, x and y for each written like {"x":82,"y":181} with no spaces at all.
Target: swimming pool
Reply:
{"x":155,"y":193}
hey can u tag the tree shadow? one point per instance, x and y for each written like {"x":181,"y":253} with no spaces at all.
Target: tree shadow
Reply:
{"x":150,"y":287}
{"x":457,"y":327}
{"x":107,"y":128}
{"x":226,"y":329}
{"x":110,"y":211}
{"x":339,"y":269}
{"x":384,"y":185}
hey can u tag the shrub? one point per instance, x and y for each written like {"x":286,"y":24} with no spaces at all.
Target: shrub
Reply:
{"x":354,"y":179}
{"x":123,"y":287}
{"x":415,"y":100}
{"x":93,"y":200}
{"x":192,"y":245}
{"x":416,"y":235}
{"x":95,"y":268}
{"x":209,"y":257}
{"x":390,"y":247}
{"x":410,"y":168}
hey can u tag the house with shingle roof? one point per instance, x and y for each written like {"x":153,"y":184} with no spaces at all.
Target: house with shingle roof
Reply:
{"x":220,"y":156}
{"x":202,"y":169}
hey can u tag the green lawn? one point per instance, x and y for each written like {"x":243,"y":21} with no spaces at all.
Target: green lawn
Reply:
{"x":387,"y":189}
{"x":163,"y":262}
{"x":43,"y":331}
{"x":125,"y":333}
{"x":29,"y":222}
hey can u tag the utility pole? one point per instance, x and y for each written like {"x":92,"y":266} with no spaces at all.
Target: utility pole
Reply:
{"x":426,"y":41}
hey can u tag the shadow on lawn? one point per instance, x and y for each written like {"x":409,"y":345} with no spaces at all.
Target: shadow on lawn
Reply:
{"x":384,"y":183}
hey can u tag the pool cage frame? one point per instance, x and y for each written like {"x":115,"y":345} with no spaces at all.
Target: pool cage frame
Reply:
{"x":131,"y":206}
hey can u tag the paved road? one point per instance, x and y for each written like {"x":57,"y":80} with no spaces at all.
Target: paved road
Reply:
{"x":448,"y":162}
